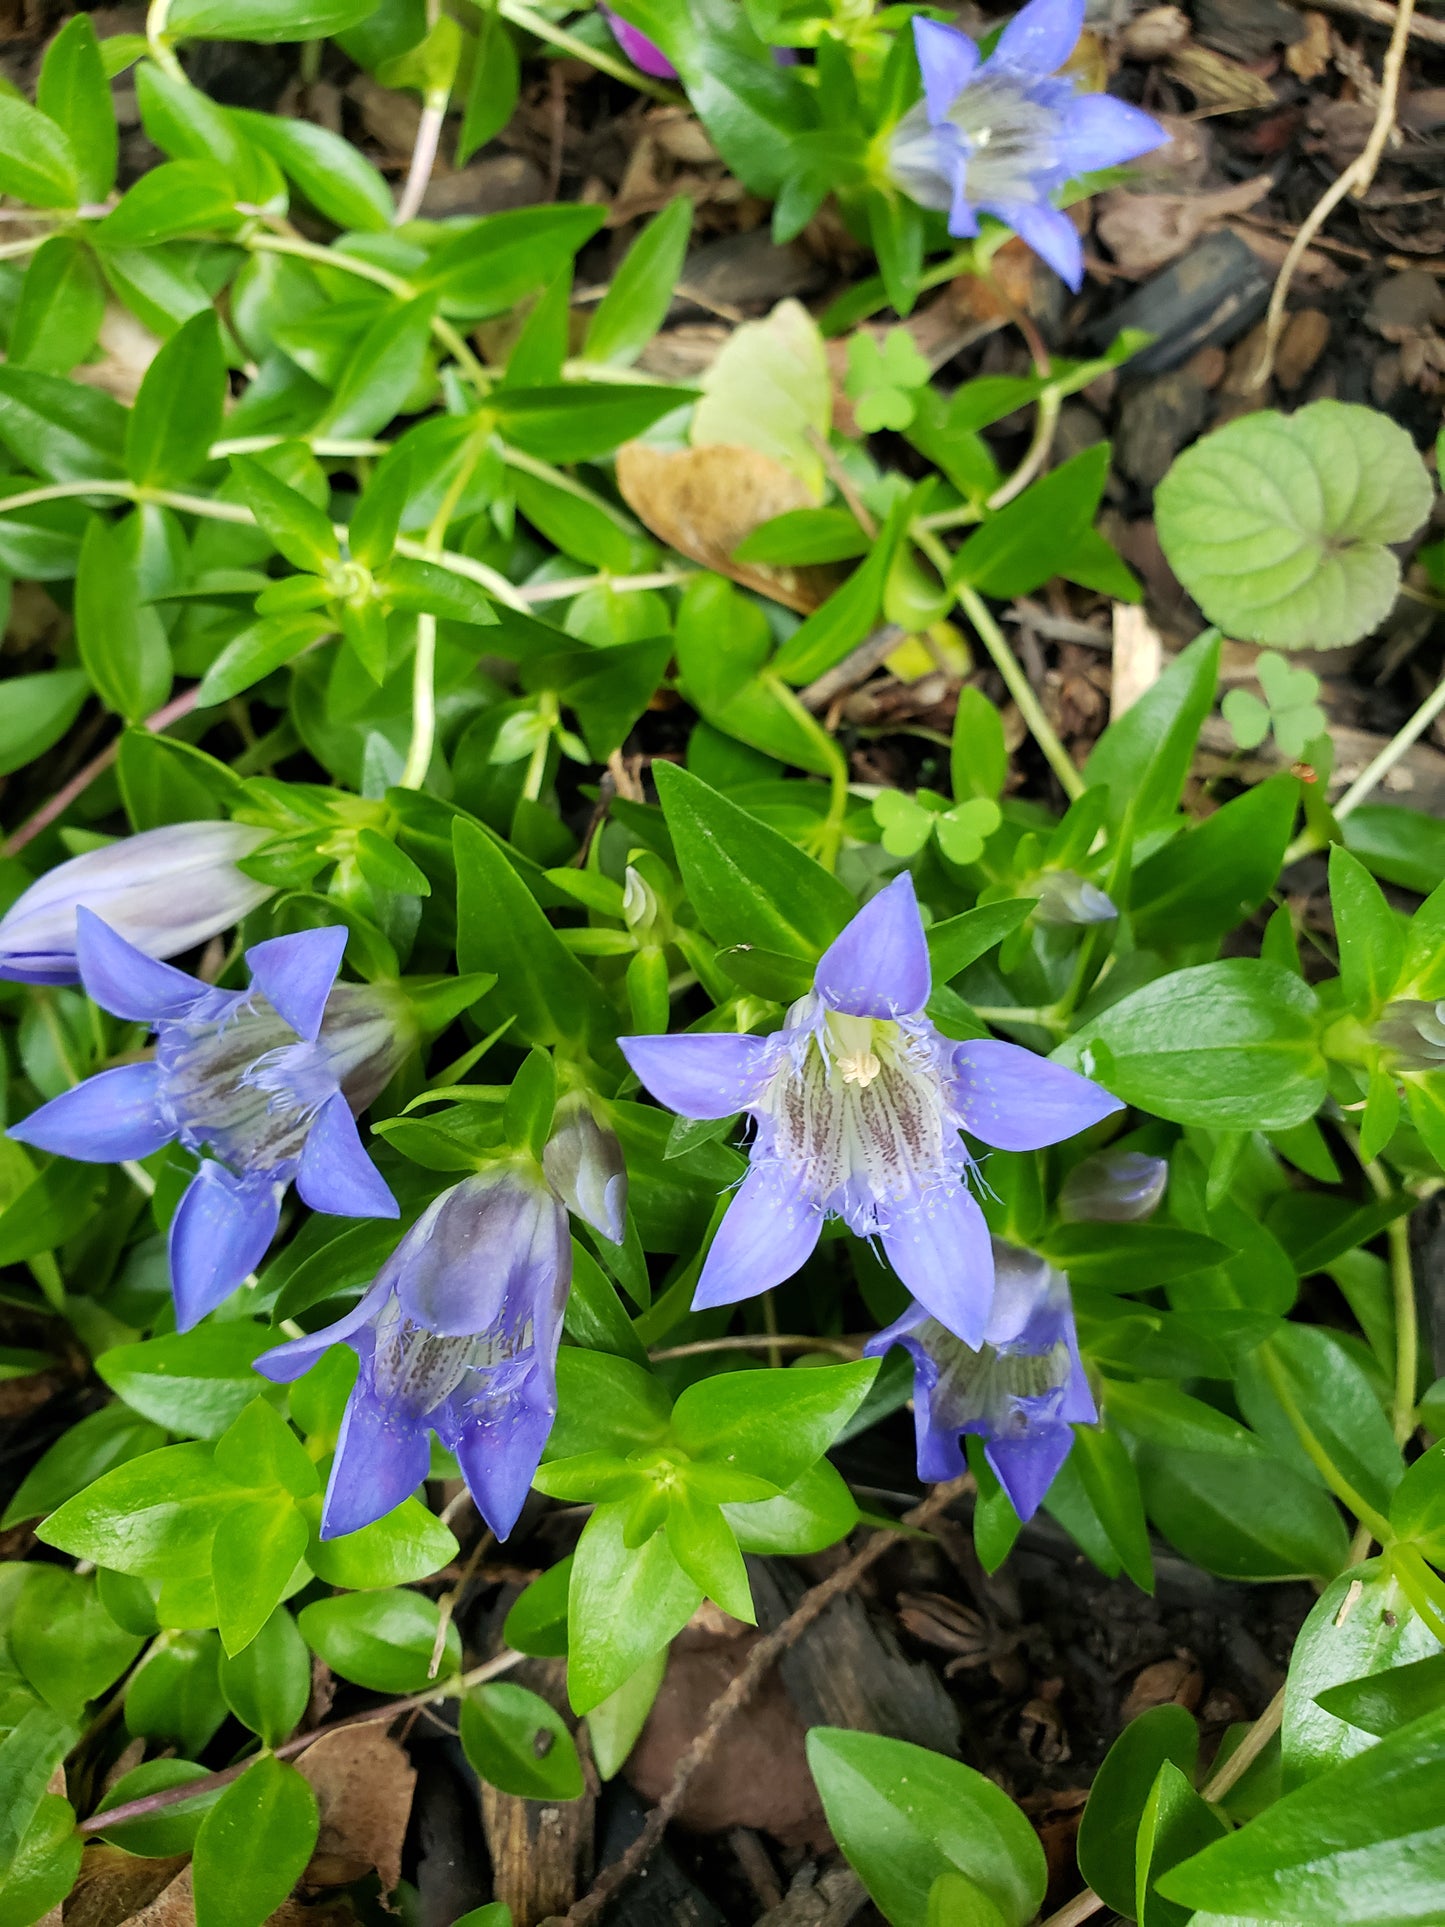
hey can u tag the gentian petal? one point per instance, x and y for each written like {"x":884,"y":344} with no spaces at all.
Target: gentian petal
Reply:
{"x":220,"y":1233}
{"x":381,"y":1459}
{"x":499,"y":1453}
{"x":335,"y":1173}
{"x":112,"y":1116}
{"x":124,"y":980}
{"x":701,"y":1074}
{"x":295,"y":975}
{"x":878,"y":966}
{"x":491,"y":1248}
{"x":940,"y":1248}
{"x":962,"y":217}
{"x":283,"y":1363}
{"x":1049,"y":233}
{"x":1026,"y":1466}
{"x":1017,"y":1101}
{"x":1041,"y":36}
{"x":770,"y":1230}
{"x":1099,"y":131}
{"x":947,"y":59}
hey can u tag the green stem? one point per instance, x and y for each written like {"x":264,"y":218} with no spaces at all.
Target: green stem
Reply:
{"x":1319,"y":1457}
{"x":424,"y":664}
{"x":1374,"y":772}
{"x":531,"y":21}
{"x":1402,"y":1283}
{"x":161,"y":50}
{"x":1046,"y":1017}
{"x":1007,"y":664}
{"x":830,"y":834}
{"x":264,"y":242}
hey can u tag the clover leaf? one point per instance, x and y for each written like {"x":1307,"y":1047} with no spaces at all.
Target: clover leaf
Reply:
{"x":907,"y":823}
{"x":882,"y":378}
{"x":1277,"y":525}
{"x":1289,"y":708}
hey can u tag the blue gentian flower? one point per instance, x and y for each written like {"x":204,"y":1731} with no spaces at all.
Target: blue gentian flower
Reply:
{"x":264,"y":1080}
{"x":1067,"y":898}
{"x":1004,"y":136}
{"x":1113,"y":1187}
{"x":457,"y":1336}
{"x":1022,"y":1389}
{"x":644,"y":54}
{"x":165,"y":891}
{"x":858,"y":1102}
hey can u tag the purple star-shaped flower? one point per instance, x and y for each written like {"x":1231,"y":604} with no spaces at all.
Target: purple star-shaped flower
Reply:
{"x":457,"y":1336}
{"x":1006,"y":134}
{"x":265,"y":1080}
{"x":1021,"y":1390}
{"x":858,"y":1102}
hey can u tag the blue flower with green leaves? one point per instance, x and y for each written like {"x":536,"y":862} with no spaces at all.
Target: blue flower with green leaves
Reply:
{"x":858,"y":1103}
{"x":1004,"y":135}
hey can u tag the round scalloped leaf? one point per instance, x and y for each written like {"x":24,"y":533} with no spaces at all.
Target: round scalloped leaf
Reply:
{"x":1277,"y":524}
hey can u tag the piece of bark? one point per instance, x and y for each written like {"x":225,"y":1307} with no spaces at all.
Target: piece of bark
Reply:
{"x":830,"y":1898}
{"x":541,"y":1850}
{"x":662,"y":1894}
{"x":849,"y":1670}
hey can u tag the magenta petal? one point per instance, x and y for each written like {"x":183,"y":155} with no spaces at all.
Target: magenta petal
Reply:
{"x":644,"y":54}
{"x":878,"y":966}
{"x":940,"y":1248}
{"x":335,"y":1174}
{"x":295,"y":975}
{"x":1017,"y":1101}
{"x":770,"y":1230}
{"x":947,"y":59}
{"x":124,"y":980}
{"x":700,"y":1074}
{"x":112,"y":1116}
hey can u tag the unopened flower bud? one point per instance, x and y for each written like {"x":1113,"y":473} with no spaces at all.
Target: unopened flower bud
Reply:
{"x":1413,"y":1032}
{"x":1065,"y":897}
{"x":1113,"y":1187}
{"x":165,"y":891}
{"x":584,"y":1166}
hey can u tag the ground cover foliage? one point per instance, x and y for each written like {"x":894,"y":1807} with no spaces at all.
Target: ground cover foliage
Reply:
{"x":695,"y":1086}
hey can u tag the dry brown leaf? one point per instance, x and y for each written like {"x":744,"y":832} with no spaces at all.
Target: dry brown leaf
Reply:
{"x":1308,"y":58}
{"x":1156,"y":32}
{"x":1144,"y":231}
{"x":1219,"y":85}
{"x":114,"y":1886}
{"x":363,"y":1782}
{"x":704,"y":501}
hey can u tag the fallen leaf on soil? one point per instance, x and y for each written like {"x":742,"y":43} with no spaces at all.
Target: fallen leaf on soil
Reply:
{"x":1219,"y":85}
{"x":127,"y":350}
{"x":1156,"y":32}
{"x":363,"y":1783}
{"x":118,"y":1889}
{"x":704,"y":501}
{"x":758,"y":1777}
{"x":1176,"y":1682}
{"x":1307,"y":59}
{"x":1144,"y":231}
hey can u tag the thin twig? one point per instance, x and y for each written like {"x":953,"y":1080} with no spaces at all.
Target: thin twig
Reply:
{"x":97,"y":766}
{"x":1233,"y":1770}
{"x":745,"y":1683}
{"x":1355,"y":179}
{"x":760,"y":1342}
{"x":1380,"y":15}
{"x":149,"y":1803}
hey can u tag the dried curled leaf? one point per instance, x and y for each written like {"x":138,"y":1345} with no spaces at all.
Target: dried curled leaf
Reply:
{"x":703,"y":502}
